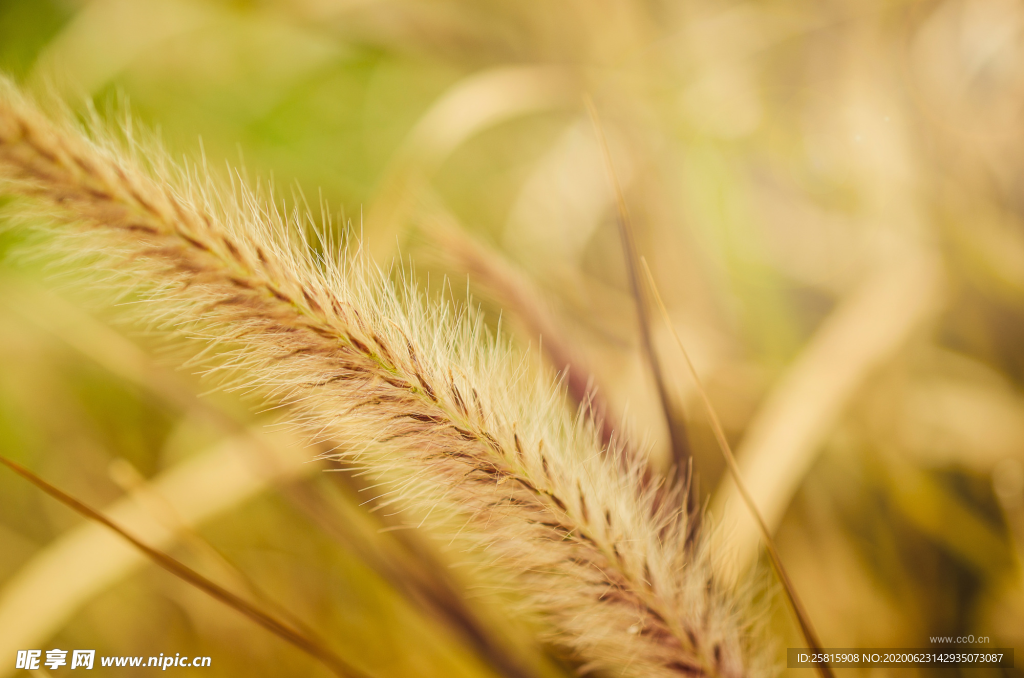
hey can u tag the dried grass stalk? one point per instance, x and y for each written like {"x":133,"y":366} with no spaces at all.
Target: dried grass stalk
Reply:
{"x":445,"y":414}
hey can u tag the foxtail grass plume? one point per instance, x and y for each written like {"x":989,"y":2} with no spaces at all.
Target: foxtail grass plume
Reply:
{"x":448,"y":416}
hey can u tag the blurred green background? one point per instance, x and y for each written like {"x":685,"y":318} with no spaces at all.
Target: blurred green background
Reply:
{"x":831,"y":198}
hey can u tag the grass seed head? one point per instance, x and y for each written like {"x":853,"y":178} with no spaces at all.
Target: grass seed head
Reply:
{"x":446,"y":414}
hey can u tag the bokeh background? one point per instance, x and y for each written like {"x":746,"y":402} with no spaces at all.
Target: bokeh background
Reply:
{"x":830,"y":196}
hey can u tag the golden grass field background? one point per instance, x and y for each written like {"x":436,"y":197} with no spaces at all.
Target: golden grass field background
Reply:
{"x":830,"y":196}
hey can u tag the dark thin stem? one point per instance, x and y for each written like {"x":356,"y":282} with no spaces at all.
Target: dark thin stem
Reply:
{"x":310,"y":645}
{"x":678,"y":439}
{"x":803,"y":619}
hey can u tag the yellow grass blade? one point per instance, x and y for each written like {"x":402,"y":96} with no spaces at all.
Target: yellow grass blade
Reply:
{"x":781,"y":442}
{"x":315,"y":647}
{"x":471,"y":106}
{"x":40,"y":598}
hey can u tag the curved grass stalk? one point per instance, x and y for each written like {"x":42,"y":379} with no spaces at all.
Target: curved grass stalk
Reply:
{"x":472,"y":105}
{"x":785,"y":436}
{"x":448,"y":418}
{"x":407,"y":566}
{"x":107,"y":565}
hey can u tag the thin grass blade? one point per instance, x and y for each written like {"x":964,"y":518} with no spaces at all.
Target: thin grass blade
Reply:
{"x":803,"y":619}
{"x":312,"y":646}
{"x":681,"y":454}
